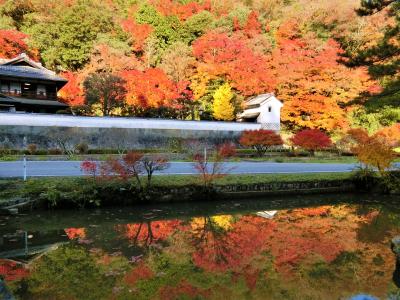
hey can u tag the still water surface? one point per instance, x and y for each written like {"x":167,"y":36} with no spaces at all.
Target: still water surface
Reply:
{"x":309,"y":247}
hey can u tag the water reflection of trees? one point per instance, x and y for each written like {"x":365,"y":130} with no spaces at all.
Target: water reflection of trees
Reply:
{"x":148,"y":232}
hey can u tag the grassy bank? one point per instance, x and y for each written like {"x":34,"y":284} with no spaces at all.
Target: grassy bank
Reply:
{"x":87,"y":192}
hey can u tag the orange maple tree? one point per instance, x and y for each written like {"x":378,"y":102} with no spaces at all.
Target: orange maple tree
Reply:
{"x":374,"y":151}
{"x":261,"y":140}
{"x":311,"y":81}
{"x":13,"y":43}
{"x":72,"y":93}
{"x":221,"y":55}
{"x":150,"y":88}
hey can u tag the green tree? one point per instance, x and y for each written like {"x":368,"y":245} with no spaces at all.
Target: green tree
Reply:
{"x":197,"y":25}
{"x":105,"y":89}
{"x":223,"y":108}
{"x":66,"y":38}
{"x":16,"y":10}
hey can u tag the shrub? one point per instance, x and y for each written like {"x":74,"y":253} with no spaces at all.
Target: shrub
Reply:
{"x":175,"y":145}
{"x":89,"y":168}
{"x":227,"y":150}
{"x":150,"y":165}
{"x":32,"y":148}
{"x":210,"y":170}
{"x":129,"y":166}
{"x":81,"y":148}
{"x":373,"y":151}
{"x":261,"y":140}
{"x":311,"y":140}
{"x":55,"y":151}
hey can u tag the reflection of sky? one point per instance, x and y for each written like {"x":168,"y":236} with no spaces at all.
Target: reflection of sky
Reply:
{"x":315,"y":250}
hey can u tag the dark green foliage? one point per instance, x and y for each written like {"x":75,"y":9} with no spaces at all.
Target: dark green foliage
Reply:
{"x":66,"y":38}
{"x":347,"y":257}
{"x":383,"y":59}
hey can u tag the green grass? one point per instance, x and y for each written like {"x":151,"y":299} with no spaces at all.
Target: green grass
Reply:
{"x":181,"y":180}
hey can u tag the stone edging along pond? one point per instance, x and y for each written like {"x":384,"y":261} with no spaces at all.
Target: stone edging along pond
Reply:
{"x":241,"y":191}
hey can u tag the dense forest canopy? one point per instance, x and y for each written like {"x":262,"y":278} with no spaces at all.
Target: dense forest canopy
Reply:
{"x":335,"y":64}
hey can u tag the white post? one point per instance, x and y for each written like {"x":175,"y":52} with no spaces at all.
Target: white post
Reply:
{"x":24,"y":167}
{"x":205,"y":154}
{"x":26,"y":243}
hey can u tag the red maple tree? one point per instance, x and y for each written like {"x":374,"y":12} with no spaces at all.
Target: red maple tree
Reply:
{"x":261,"y":140}
{"x":311,"y":140}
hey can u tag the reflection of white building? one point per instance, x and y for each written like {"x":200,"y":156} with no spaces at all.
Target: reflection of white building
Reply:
{"x":264,"y":109}
{"x":267,"y":214}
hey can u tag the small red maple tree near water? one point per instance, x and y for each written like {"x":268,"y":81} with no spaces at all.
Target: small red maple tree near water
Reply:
{"x":213,"y":168}
{"x":261,"y":140}
{"x":312,"y":140}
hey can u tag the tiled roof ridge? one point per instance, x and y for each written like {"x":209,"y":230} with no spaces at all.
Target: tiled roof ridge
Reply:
{"x":24,"y":57}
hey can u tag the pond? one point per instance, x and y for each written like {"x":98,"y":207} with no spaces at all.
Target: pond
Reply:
{"x":308,"y":247}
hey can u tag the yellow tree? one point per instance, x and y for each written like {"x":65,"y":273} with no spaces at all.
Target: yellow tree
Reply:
{"x":222,"y":106}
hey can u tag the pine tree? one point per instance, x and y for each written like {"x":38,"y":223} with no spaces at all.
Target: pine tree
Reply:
{"x":223,"y":108}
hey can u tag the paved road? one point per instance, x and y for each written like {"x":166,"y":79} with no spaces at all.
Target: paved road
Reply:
{"x":72,"y":168}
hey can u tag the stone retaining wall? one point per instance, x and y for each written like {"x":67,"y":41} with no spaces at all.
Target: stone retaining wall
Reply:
{"x":243,"y":191}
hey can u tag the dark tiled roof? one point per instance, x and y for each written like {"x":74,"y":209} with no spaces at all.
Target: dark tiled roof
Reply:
{"x":13,"y":100}
{"x":29,"y":72}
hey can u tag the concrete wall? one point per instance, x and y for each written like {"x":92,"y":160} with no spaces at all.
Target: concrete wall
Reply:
{"x":49,"y":131}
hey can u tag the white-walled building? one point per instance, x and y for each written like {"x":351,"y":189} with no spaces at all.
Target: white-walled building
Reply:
{"x":264,"y":109}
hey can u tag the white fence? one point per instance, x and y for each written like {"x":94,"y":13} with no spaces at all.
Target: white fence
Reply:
{"x":43,"y":120}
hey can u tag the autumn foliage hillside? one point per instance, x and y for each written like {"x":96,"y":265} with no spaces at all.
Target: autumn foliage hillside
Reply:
{"x":173,"y":56}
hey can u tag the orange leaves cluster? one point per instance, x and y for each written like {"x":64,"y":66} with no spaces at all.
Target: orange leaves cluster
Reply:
{"x":72,"y":93}
{"x":260,"y":139}
{"x":151,"y":232}
{"x":222,"y":55}
{"x":150,"y":88}
{"x":138,"y":32}
{"x":75,"y":233}
{"x":373,"y":151}
{"x":182,"y":10}
{"x":236,"y":248}
{"x":140,"y":272}
{"x":391,"y":134}
{"x":13,"y":43}
{"x":311,"y":81}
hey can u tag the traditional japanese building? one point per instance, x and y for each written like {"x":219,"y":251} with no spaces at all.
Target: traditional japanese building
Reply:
{"x":27,"y":86}
{"x":264,"y":109}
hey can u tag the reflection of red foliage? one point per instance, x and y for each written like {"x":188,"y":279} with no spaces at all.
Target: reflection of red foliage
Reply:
{"x":236,"y":248}
{"x":139,"y":273}
{"x":11,"y":270}
{"x":250,"y":275}
{"x":75,"y":233}
{"x":313,"y":211}
{"x":296,"y":239}
{"x":148,"y":233}
{"x":184,"y":288}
